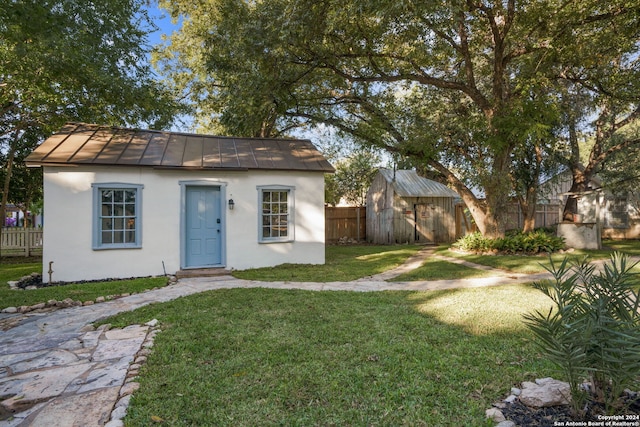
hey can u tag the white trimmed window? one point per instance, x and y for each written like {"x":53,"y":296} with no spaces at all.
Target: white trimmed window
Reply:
{"x":276,"y":214}
{"x":117,"y":213}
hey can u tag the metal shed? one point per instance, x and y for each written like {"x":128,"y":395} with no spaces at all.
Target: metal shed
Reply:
{"x":403,"y":207}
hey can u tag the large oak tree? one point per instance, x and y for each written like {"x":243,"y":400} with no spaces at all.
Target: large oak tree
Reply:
{"x":465,"y":87}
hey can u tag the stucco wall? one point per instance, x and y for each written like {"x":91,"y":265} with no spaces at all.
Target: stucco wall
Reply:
{"x":69,"y":223}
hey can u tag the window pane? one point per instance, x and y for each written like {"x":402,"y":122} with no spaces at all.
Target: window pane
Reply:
{"x":131,"y":224}
{"x":130,"y":210}
{"x":130,"y":236}
{"x":130,"y":196}
{"x":118,"y":237}
{"x":118,"y":210}
{"x":118,"y":223}
{"x":266,"y":196}
{"x":106,"y":237}
{"x":107,"y":210}
{"x":107,"y":196}
{"x":106,"y":224}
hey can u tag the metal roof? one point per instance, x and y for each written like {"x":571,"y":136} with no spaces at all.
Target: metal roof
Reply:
{"x":90,"y":144}
{"x":407,"y":183}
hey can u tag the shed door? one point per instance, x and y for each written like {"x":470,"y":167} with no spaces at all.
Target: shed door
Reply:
{"x":203,"y":227}
{"x":424,"y":223}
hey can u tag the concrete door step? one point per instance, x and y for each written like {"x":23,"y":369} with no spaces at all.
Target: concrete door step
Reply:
{"x":202,"y":272}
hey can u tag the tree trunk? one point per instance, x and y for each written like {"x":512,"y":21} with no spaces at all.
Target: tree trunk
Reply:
{"x":578,"y":186}
{"x":529,"y":220}
{"x":487,"y":214}
{"x":7,"y":179}
{"x":528,"y":206}
{"x":497,"y":187}
{"x":494,"y":224}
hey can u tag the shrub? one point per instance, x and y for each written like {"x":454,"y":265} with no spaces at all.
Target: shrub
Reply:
{"x":529,"y":243}
{"x":593,"y":330}
{"x":515,"y":242}
{"x":474,"y":242}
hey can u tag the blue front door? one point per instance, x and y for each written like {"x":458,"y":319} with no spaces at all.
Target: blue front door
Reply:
{"x":203,"y":227}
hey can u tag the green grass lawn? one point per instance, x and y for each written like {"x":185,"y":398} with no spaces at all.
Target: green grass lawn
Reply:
{"x":15,"y":268}
{"x":342,"y":263}
{"x":246,"y":357}
{"x":536,"y":264}
{"x":436,"y":269}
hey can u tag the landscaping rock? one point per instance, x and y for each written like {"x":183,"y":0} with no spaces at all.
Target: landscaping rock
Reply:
{"x":10,"y":310}
{"x":119,"y":413}
{"x":545,"y":392}
{"x":495,"y":414}
{"x":506,"y":424}
{"x":512,"y":398}
{"x":67,"y":302}
{"x":129,"y":388}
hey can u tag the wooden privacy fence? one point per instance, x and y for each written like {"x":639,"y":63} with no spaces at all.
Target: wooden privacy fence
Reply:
{"x":21,"y":241}
{"x":547,"y":215}
{"x":346,"y":222}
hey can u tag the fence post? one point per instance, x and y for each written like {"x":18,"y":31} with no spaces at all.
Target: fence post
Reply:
{"x":27,"y":242}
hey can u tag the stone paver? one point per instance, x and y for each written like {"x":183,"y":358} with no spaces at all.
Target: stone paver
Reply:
{"x":54,"y":371}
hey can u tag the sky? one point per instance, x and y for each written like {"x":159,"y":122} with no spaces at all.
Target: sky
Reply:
{"x":162,"y":19}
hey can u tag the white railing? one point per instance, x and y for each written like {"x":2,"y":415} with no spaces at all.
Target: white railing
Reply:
{"x":21,"y":241}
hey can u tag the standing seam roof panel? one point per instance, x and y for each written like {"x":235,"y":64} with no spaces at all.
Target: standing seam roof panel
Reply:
{"x":84,"y":144}
{"x":407,"y":183}
{"x":155,"y":150}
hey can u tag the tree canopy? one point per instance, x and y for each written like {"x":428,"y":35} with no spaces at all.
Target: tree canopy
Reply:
{"x":74,"y":60}
{"x":467,"y":88}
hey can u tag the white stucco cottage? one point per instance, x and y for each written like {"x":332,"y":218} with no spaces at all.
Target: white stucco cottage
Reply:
{"x":125,"y":203}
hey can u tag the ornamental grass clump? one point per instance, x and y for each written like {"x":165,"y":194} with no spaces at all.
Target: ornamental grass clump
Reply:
{"x":592,"y":331}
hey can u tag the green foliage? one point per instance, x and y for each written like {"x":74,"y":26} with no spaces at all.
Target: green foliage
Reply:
{"x":352,"y":178}
{"x":514,"y":243}
{"x":593,"y":329}
{"x":72,"y":60}
{"x":529,"y":243}
{"x":474,"y":242}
